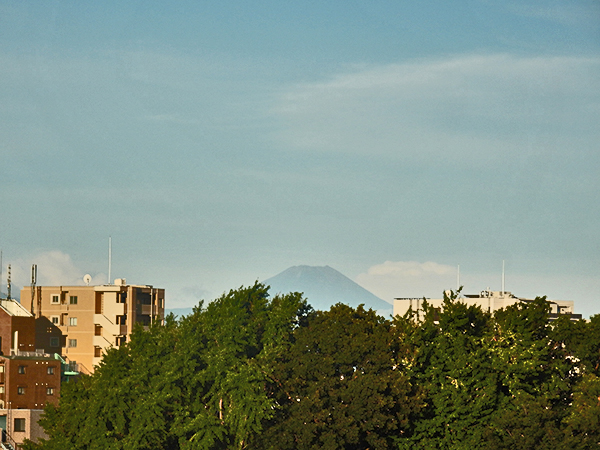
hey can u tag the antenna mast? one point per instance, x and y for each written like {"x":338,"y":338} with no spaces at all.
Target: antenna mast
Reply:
{"x":109,"y":257}
{"x":33,"y":283}
{"x":8,"y":284}
{"x":502,"y":278}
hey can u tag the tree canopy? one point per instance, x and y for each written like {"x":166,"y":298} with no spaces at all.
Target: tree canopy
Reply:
{"x":249,"y":371}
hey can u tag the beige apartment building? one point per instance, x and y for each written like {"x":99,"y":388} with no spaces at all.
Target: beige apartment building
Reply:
{"x":82,"y":322}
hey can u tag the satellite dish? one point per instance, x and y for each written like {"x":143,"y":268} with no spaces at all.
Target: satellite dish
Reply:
{"x":87,"y":278}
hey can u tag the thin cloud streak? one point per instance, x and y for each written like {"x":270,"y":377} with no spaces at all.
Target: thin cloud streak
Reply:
{"x":471,"y":108}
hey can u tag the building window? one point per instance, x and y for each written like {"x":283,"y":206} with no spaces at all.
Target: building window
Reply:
{"x":2,"y":368}
{"x":55,"y":320}
{"x":72,"y":321}
{"x":1,"y":390}
{"x":55,"y":299}
{"x":73,"y":300}
{"x":19,"y":425}
{"x":72,"y":343}
{"x":54,"y":342}
{"x":49,"y":391}
{"x":50,"y":370}
{"x":21,"y":390}
{"x":97,"y":352}
{"x":22,"y":370}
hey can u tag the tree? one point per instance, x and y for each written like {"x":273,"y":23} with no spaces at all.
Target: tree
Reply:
{"x":197,"y":383}
{"x":338,"y":386}
{"x":454,"y":367}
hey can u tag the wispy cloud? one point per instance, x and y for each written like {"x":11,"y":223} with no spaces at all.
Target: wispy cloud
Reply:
{"x":55,"y":268}
{"x":471,"y":108}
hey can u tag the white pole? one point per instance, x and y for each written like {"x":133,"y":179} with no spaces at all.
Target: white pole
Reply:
{"x":502,"y":278}
{"x":109,"y":257}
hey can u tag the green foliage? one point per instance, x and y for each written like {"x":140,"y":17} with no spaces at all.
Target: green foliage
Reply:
{"x":248,"y":371}
{"x":338,"y":386}
{"x":197,"y":383}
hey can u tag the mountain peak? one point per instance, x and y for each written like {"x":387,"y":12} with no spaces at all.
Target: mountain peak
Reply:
{"x":323,"y":286}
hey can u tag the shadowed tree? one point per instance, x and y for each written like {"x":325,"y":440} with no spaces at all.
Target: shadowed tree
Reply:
{"x":338,"y":386}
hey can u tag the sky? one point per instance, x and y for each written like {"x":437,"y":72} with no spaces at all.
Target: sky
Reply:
{"x":219,"y":143}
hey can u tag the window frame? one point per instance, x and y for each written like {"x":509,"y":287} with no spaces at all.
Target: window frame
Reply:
{"x":72,"y":299}
{"x":20,"y":390}
{"x":54,"y":299}
{"x":72,"y":321}
{"x":72,"y":343}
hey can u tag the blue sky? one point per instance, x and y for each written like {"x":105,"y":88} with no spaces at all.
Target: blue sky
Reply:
{"x":221,"y":143}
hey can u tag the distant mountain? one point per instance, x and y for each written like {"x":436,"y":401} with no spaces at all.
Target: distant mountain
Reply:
{"x":324,"y":287}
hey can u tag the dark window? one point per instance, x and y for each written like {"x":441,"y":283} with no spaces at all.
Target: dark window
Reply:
{"x":21,"y":369}
{"x":54,"y":342}
{"x":21,"y":390}
{"x":19,"y":425}
{"x":73,"y":299}
{"x":49,"y":391}
{"x":51,"y":370}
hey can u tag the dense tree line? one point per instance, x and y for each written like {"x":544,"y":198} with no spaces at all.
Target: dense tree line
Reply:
{"x":252,"y":372}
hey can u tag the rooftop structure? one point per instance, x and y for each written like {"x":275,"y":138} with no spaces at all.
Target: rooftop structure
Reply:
{"x":487,"y":300}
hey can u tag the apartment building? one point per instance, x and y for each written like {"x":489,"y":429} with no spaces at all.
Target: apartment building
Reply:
{"x":487,"y":300}
{"x":29,"y":378}
{"x":82,"y":322}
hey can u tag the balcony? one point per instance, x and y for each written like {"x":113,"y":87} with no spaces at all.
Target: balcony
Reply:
{"x":109,"y":328}
{"x":102,"y":342}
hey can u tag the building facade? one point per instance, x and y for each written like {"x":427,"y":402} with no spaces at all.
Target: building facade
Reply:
{"x":29,"y":381}
{"x":487,"y":300}
{"x":82,"y":322}
{"x":17,"y":328}
{"x":29,"y":378}
{"x":20,"y":424}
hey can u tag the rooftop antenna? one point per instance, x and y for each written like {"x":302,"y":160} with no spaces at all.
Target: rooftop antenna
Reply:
{"x":502,"y":278}
{"x":8,"y":284}
{"x":33,"y":283}
{"x":109,"y":257}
